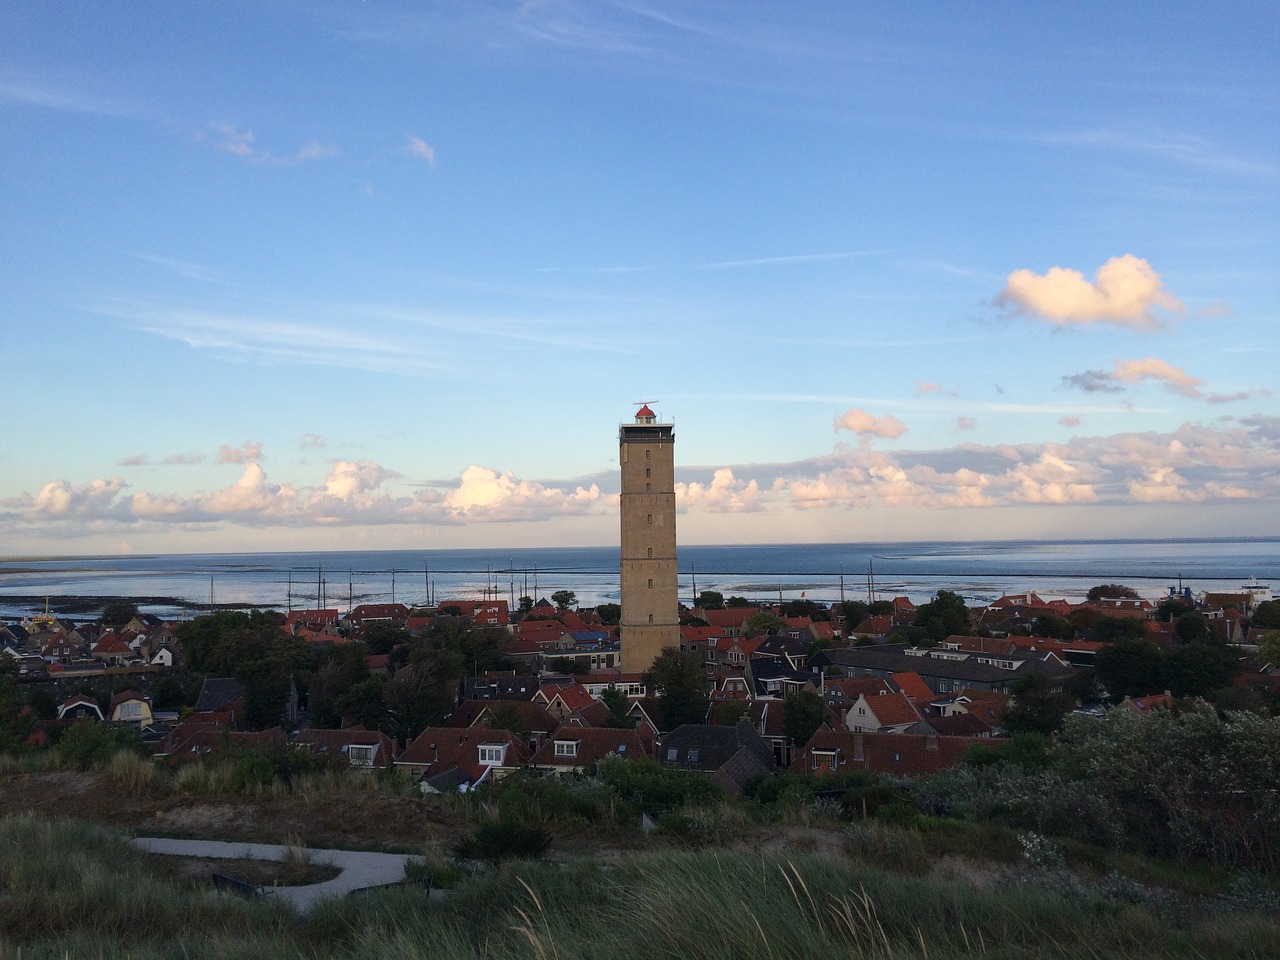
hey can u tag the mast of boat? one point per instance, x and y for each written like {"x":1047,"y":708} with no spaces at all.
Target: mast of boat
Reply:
{"x":289,"y":594}
{"x":871,"y":581}
{"x":842,"y":588}
{"x":693,"y":572}
{"x":351,"y":590}
{"x":393,"y":584}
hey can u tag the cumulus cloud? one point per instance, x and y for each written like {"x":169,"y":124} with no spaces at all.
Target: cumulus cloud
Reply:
{"x":247,"y":452}
{"x":864,"y":424}
{"x":1174,"y":379}
{"x":484,"y":493}
{"x":1126,"y":291}
{"x":417,"y":147}
{"x":347,"y":479}
{"x":724,"y":494}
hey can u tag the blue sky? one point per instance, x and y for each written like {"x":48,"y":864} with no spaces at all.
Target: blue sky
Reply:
{"x":294,"y":275}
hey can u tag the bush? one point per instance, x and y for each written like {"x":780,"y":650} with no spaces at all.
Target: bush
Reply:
{"x":498,"y":840}
{"x":88,"y":743}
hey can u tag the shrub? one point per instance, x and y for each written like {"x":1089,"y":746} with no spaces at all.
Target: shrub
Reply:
{"x":498,"y":840}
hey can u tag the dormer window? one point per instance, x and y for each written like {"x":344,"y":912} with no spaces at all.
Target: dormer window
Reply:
{"x":566,"y":748}
{"x":491,"y":754}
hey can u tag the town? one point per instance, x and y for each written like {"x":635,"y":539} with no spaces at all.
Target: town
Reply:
{"x":469,"y":691}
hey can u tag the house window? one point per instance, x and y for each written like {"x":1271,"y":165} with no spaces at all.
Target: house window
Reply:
{"x":648,"y":488}
{"x":361,"y":754}
{"x":649,"y":552}
{"x":646,"y":454}
{"x":566,"y":748}
{"x":651,"y":583}
{"x":897,"y":758}
{"x":649,"y":518}
{"x":672,"y":755}
{"x":651,"y":618}
{"x":491,"y":753}
{"x":647,"y":473}
{"x":692,"y":755}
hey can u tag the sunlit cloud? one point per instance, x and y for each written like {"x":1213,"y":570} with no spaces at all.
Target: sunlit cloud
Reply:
{"x":863,"y":423}
{"x":923,"y":386}
{"x":241,"y":143}
{"x":1126,"y":292}
{"x":186,"y":459}
{"x":966,"y":423}
{"x":1174,"y":379}
{"x":247,"y":452}
{"x":312,"y":441}
{"x":137,"y":460}
{"x":1069,"y":421}
{"x":724,"y":494}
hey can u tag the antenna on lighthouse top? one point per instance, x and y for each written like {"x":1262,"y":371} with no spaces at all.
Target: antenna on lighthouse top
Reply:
{"x":645,"y":414}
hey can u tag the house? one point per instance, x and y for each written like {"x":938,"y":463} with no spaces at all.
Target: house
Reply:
{"x":208,"y":734}
{"x":1143,"y":706}
{"x":363,"y":749}
{"x":447,"y":758}
{"x":893,"y":713}
{"x":80,"y":707}
{"x":572,"y":704}
{"x":222,"y":695}
{"x":533,"y":722}
{"x":130,"y":706}
{"x":898,"y":754}
{"x":731,"y":755}
{"x":944,"y":670}
{"x":574,"y":749}
{"x":777,"y":679}
{"x":111,"y":649}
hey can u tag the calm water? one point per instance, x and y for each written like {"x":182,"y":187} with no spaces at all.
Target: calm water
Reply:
{"x":980,"y":571}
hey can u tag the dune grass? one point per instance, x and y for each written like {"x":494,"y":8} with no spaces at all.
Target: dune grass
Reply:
{"x":74,"y":890}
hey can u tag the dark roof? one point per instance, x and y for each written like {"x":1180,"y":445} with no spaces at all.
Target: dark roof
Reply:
{"x":892,"y":658}
{"x":217,"y":693}
{"x":700,"y":746}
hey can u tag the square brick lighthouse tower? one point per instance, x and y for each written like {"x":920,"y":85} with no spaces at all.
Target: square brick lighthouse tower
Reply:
{"x":650,"y":603}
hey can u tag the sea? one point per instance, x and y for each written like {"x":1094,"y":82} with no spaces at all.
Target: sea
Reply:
{"x":178,"y":585}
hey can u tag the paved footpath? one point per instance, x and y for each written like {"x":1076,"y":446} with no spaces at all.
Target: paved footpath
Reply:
{"x":359,"y":869}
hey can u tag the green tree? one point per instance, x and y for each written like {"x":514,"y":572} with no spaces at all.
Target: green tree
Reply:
{"x":618,"y":705}
{"x":710,"y":600}
{"x":1117,"y":629}
{"x":1130,"y":668}
{"x":609,"y":613}
{"x":1111,"y":591}
{"x":1269,"y":647}
{"x":505,"y":715}
{"x":1266,"y":616}
{"x":737,"y":602}
{"x":681,"y":686}
{"x":1052,"y":625}
{"x":806,"y":608}
{"x":1197,"y":669}
{"x":384,"y":637}
{"x":525,"y":605}
{"x":943,"y":616}
{"x":764,"y":622}
{"x":852,"y":612}
{"x":564,"y":599}
{"x":1191,"y":628}
{"x":803,"y":713}
{"x":118,"y":613}
{"x":1036,"y":707}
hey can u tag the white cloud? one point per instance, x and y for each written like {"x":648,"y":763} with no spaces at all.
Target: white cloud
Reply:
{"x":924,"y":386}
{"x":965,"y":423}
{"x":863,"y":423}
{"x":312,"y":441}
{"x":240,"y":143}
{"x":137,"y":460}
{"x":347,"y":479}
{"x":184,"y":459}
{"x":724,"y":494}
{"x":1173,"y":378}
{"x":1126,"y":292}
{"x":247,"y":452}
{"x":417,"y":147}
{"x":1069,"y":421}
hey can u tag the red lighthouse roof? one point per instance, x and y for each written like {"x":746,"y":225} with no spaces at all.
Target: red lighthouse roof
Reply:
{"x":645,"y":412}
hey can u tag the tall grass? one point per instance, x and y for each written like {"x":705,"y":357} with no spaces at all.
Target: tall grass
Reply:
{"x":131,"y":774}
{"x":78,"y":891}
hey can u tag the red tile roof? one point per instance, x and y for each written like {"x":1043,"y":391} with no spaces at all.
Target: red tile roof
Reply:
{"x":899,"y":754}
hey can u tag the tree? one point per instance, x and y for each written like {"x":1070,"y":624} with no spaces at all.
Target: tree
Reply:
{"x":1118,"y":629}
{"x":1197,"y":669}
{"x":525,"y":604}
{"x":737,"y":602}
{"x":609,"y":613}
{"x":710,"y":600}
{"x":564,"y":599}
{"x":1266,"y":616}
{"x":1269,"y":648}
{"x":1130,"y":668}
{"x":118,"y":613}
{"x":853,"y":612}
{"x":805,"y":608}
{"x":1052,"y":625}
{"x":764,"y":622}
{"x":943,"y":616}
{"x":618,"y":705}
{"x":1192,"y":628}
{"x":384,"y":637}
{"x":802,"y":714}
{"x":681,"y":687}
{"x":1111,"y":591}
{"x":1036,"y":707}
